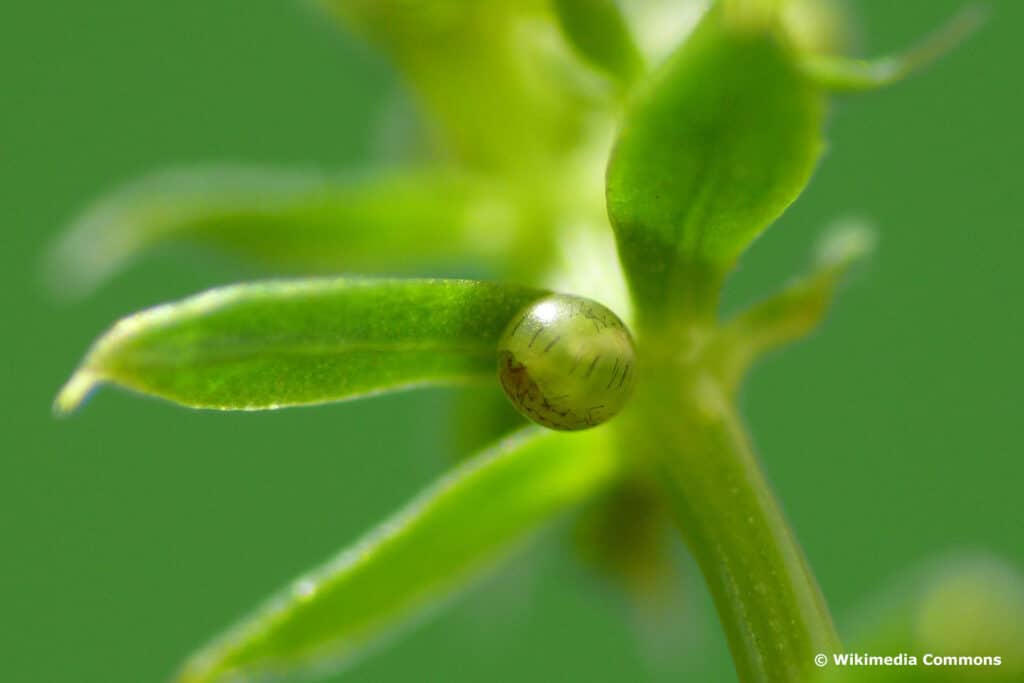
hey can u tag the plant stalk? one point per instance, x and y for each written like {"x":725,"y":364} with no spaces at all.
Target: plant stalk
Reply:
{"x":768,"y":601}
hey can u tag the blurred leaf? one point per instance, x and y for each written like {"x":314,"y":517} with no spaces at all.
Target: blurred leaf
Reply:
{"x":420,"y":556}
{"x":274,"y":344}
{"x":839,"y":73}
{"x":625,"y":535}
{"x":488,"y":73}
{"x":795,"y":311}
{"x":959,"y":606}
{"x":305,"y":221}
{"x":718,"y":144}
{"x":598,"y":31}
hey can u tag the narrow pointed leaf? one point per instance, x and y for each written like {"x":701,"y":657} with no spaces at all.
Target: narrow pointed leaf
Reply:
{"x":274,"y":344}
{"x":420,"y":556}
{"x":795,"y":311}
{"x":719,"y":143}
{"x":298,"y":221}
{"x":846,"y":74}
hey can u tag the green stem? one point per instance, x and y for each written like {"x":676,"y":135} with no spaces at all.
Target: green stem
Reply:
{"x":769,"y":603}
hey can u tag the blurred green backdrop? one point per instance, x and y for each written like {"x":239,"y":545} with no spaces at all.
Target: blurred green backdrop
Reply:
{"x":134,"y":530}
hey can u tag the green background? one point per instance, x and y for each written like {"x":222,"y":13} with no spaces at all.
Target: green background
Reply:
{"x":134,"y":530}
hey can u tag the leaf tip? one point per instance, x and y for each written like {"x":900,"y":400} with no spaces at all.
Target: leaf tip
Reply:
{"x":845,"y":243}
{"x":844,"y":74}
{"x":955,"y":31}
{"x":81,"y":258}
{"x":74,"y":392}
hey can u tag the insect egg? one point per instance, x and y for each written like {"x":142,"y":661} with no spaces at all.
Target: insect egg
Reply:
{"x":566,"y":362}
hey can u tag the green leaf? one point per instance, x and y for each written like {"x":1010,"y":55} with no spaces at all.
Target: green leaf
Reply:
{"x":845,"y":74}
{"x":598,"y":31}
{"x":719,"y":143}
{"x":300,"y":221}
{"x":794,"y":312}
{"x":420,"y":556}
{"x":485,"y":72}
{"x":275,"y":344}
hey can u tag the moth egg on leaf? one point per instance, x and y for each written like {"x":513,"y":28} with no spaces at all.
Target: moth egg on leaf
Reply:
{"x":567,"y":363}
